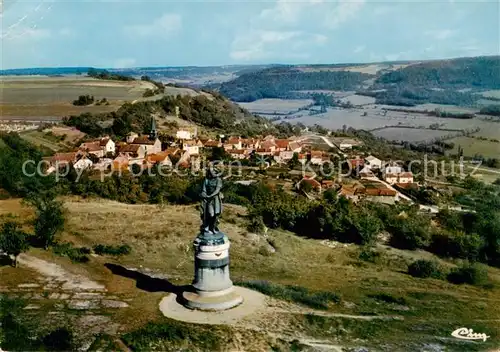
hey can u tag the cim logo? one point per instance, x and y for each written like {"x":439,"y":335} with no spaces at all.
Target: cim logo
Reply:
{"x":468,"y":334}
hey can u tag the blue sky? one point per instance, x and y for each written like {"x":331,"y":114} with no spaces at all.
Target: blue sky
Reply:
{"x":124,"y":33}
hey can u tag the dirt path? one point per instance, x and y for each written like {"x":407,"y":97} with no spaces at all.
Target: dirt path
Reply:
{"x":59,"y":275}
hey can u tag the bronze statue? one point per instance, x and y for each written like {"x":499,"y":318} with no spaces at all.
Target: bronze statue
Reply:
{"x":211,"y":202}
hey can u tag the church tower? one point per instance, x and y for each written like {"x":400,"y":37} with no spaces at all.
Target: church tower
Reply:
{"x":153,"y":133}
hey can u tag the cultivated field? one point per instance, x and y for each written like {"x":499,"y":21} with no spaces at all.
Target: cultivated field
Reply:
{"x":335,"y":118}
{"x":409,"y":134}
{"x":280,"y":106}
{"x":38,"y":96}
{"x":473,"y":146}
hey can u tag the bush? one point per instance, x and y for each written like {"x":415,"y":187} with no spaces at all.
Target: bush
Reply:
{"x":13,"y":239}
{"x":101,"y":249}
{"x":424,"y":269}
{"x":256,"y":224}
{"x":388,"y":298}
{"x":78,"y":255}
{"x":472,"y":274}
{"x":368,"y":254}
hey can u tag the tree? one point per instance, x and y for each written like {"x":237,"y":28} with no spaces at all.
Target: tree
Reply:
{"x":49,"y":218}
{"x":368,"y":227}
{"x":294,"y":161}
{"x":13,"y":240}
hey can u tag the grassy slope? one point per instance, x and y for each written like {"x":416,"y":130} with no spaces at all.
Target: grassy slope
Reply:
{"x":161,"y":241}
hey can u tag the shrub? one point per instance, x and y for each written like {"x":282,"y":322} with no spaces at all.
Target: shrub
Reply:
{"x":424,"y":269}
{"x":388,"y":298}
{"x":13,"y":239}
{"x":472,"y":274}
{"x":78,"y":255}
{"x":256,"y":224}
{"x":368,"y":254}
{"x":101,"y":249}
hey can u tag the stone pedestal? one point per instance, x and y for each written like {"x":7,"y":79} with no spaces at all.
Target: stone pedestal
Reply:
{"x":213,"y":288}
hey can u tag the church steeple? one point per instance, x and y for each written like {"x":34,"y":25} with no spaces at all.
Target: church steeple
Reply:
{"x":153,"y":134}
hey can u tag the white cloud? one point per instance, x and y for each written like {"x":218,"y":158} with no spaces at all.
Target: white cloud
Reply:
{"x":26,"y":34}
{"x":165,"y":25}
{"x":359,"y":49}
{"x":262,"y":44}
{"x":441,"y":34}
{"x":286,"y":12}
{"x":343,"y":12}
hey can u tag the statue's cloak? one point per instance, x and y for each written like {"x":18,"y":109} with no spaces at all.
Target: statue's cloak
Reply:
{"x":212,"y":205}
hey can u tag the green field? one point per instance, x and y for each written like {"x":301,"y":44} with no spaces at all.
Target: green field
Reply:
{"x":53,"y":96}
{"x":473,"y":146}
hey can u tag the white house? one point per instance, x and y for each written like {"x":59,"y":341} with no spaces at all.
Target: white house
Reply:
{"x":238,"y":153}
{"x":83,"y":163}
{"x":107,"y":145}
{"x":192,"y":147}
{"x":131,"y":136}
{"x":152,"y":146}
{"x":316,"y":158}
{"x":162,"y":158}
{"x":183,"y":134}
{"x":373,"y":162}
{"x":396,"y":174}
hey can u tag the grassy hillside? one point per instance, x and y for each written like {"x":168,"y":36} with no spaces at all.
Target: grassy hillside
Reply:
{"x":419,"y":312}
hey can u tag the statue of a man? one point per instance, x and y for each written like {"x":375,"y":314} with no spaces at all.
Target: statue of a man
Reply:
{"x":211,"y":201}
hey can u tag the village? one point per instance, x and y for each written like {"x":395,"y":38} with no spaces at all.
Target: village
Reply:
{"x":300,"y":163}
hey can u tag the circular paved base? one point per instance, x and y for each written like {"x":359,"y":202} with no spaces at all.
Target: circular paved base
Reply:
{"x":225,"y":301}
{"x":171,"y":306}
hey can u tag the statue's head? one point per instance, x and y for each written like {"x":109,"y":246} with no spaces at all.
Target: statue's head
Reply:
{"x":213,"y":171}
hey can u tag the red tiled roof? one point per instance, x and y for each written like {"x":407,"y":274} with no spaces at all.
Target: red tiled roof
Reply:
{"x":91,"y":146}
{"x":267,"y":144}
{"x":263,"y":150}
{"x":143,"y":140}
{"x":67,"y":157}
{"x":357,"y":162}
{"x":238,"y":151}
{"x":282,"y":143}
{"x":312,"y":182}
{"x":406,"y":174}
{"x":158,"y":157}
{"x":103,"y":142}
{"x":129,"y":148}
{"x":212,"y":144}
{"x":233,"y":140}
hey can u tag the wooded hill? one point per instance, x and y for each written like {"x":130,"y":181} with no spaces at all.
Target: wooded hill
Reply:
{"x":282,"y":82}
{"x":440,"y":82}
